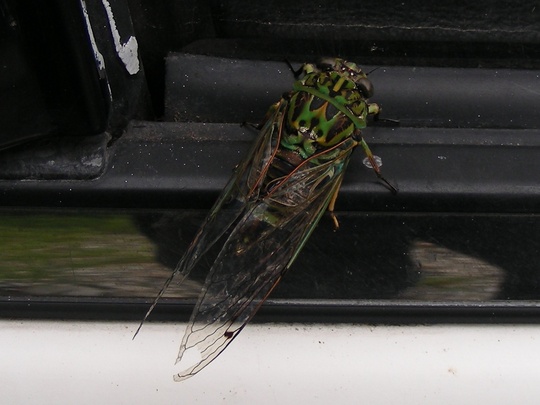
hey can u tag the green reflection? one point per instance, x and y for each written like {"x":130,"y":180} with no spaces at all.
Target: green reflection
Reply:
{"x":79,"y":254}
{"x":38,"y":246}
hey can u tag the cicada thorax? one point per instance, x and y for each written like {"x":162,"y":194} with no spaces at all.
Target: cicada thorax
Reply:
{"x":313,"y":124}
{"x":323,"y":117}
{"x":325,"y":109}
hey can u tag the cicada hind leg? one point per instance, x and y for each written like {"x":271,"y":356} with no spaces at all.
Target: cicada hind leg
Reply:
{"x":332,"y":205}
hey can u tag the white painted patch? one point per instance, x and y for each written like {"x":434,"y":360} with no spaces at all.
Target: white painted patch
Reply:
{"x":128,"y":51}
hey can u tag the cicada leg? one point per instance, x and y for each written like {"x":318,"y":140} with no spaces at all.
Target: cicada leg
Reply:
{"x":374,"y":109}
{"x":332,"y":205}
{"x":295,"y":72}
{"x":375,"y":166}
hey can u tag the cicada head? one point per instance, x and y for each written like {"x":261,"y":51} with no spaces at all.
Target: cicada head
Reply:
{"x":350,"y":70}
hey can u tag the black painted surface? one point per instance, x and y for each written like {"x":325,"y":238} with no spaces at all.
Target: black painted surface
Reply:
{"x":461,"y":78}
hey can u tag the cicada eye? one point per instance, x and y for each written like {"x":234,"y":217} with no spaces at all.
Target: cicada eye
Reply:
{"x":365,"y":87}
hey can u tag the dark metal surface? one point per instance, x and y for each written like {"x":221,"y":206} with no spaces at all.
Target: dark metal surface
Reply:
{"x":211,"y":89}
{"x":182,"y":166}
{"x":91,"y":226}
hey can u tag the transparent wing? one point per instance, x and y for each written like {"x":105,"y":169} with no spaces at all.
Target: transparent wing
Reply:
{"x":232,"y":203}
{"x":260,"y":248}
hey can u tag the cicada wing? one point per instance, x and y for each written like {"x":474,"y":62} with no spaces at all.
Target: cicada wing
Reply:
{"x":232,"y":202}
{"x":254,"y":258}
{"x":243,"y":186}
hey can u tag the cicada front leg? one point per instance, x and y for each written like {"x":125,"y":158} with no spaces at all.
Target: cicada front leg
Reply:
{"x":375,"y":166}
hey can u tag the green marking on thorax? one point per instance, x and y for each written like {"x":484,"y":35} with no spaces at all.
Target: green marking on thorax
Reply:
{"x":337,"y":101}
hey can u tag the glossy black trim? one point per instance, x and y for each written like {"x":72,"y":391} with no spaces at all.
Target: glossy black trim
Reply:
{"x":283,"y":311}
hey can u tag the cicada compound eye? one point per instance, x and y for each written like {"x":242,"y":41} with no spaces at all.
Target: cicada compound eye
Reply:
{"x":365,"y":87}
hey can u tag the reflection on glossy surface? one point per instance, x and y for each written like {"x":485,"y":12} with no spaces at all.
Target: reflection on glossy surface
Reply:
{"x":430,"y":257}
{"x":78,"y":254}
{"x":444,"y":274}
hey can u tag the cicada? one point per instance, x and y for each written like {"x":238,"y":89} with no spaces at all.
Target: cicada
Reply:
{"x":273,"y":202}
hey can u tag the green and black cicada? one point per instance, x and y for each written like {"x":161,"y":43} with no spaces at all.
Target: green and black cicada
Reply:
{"x":274,"y":200}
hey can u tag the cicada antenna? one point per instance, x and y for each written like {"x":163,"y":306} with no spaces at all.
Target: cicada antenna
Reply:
{"x":372,"y":70}
{"x":385,"y":122}
{"x":295,"y":72}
